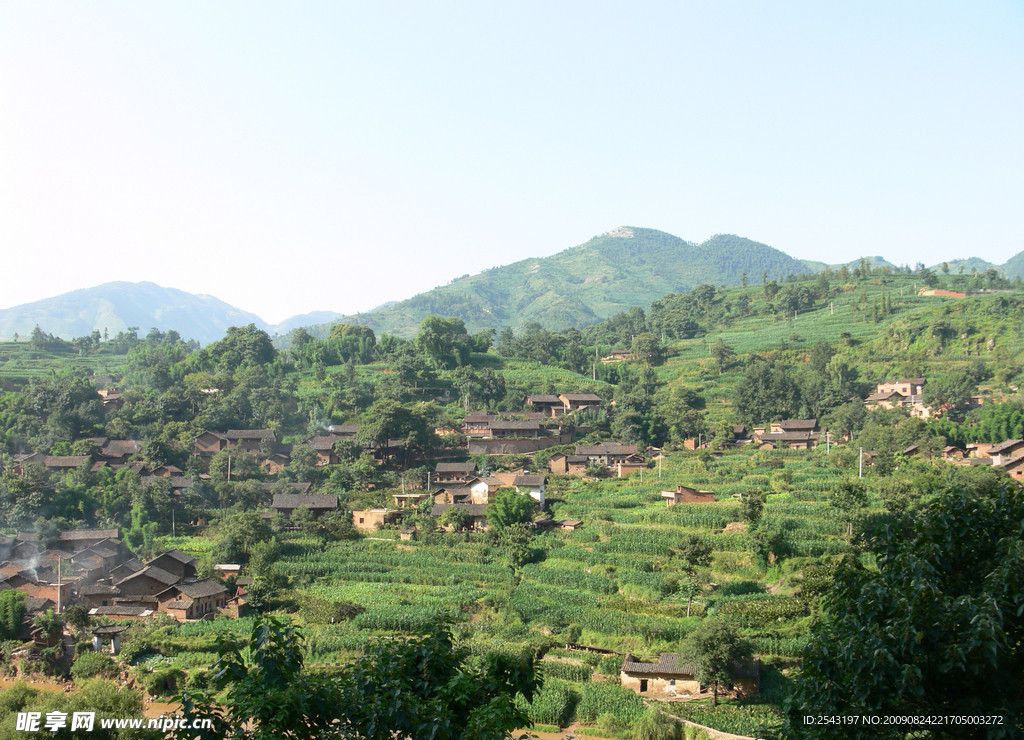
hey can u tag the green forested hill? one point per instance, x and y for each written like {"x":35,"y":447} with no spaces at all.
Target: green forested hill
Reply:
{"x":585,"y":284}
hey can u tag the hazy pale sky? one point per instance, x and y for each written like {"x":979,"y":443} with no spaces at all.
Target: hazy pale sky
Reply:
{"x":289,"y":157}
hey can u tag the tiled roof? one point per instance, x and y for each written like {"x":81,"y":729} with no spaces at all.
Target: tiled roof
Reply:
{"x":786,"y":437}
{"x":176,"y":554}
{"x":798,"y":425}
{"x":73,"y":535}
{"x":250,"y":434}
{"x":528,"y":480}
{"x":455,"y":467}
{"x":65,"y":461}
{"x":606,"y":448}
{"x":1009,"y":444}
{"x":515,"y":425}
{"x":198,"y":589}
{"x":591,"y":397}
{"x":152,"y":571}
{"x":673,"y":664}
{"x":543,"y":398}
{"x":309,"y":500}
{"x":322,"y":443}
{"x":121,"y":611}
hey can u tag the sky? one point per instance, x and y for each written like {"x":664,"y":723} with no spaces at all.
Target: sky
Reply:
{"x":291,"y":157}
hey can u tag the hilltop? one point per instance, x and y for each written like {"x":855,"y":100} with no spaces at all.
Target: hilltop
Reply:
{"x":583,"y":285}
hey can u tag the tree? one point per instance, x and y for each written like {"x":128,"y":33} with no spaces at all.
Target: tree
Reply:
{"x":50,"y":626}
{"x":751,"y":506}
{"x":445,"y":341}
{"x":937,"y":629}
{"x":646,"y":346}
{"x":849,"y":497}
{"x":456,"y":517}
{"x":715,"y":649}
{"x":12,"y":612}
{"x":417,"y":688}
{"x":723,"y":354}
{"x":510,"y":507}
{"x":695,"y":551}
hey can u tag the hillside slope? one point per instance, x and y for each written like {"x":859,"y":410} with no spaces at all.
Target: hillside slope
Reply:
{"x":113,"y":307}
{"x":585,"y":284}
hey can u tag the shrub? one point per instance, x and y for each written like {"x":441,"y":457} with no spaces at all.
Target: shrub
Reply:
{"x":92,"y":665}
{"x":653,"y":725}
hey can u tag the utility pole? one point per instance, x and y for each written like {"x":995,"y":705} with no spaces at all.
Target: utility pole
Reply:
{"x":860,"y":472}
{"x":660,"y":457}
{"x":831,"y":308}
{"x":229,"y":467}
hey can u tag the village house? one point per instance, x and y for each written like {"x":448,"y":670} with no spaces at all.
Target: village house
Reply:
{"x":370,"y":520}
{"x":250,"y":440}
{"x":501,"y":429}
{"x":111,"y":398}
{"x":324,"y":447}
{"x":1005,"y":450}
{"x":477,"y":424}
{"x":633,"y":464}
{"x":207,"y":444}
{"x":671,"y":678}
{"x":181,"y":564}
{"x":1014,"y":466}
{"x":547,"y":404}
{"x":791,"y":440}
{"x":125,"y":569}
{"x":617,"y":355}
{"x":193,"y":599}
{"x":317,"y":503}
{"x":687,"y":495}
{"x":98,"y":595}
{"x":453,"y":472}
{"x":118,"y":451}
{"x":560,"y":464}
{"x":410,"y":500}
{"x":530,"y":484}
{"x":952,"y":452}
{"x":344,"y":431}
{"x":911,"y":388}
{"x":275,"y":463}
{"x":607,"y":454}
{"x":577,"y":401}
{"x":142,"y":587}
{"x":794,"y":425}
{"x":979,"y":449}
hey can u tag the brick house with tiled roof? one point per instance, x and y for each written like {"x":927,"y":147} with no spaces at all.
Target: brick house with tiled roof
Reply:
{"x":670,"y":677}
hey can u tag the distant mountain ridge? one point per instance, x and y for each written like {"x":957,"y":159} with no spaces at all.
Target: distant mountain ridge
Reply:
{"x":625,"y":267}
{"x":113,"y":307}
{"x":582,"y":285}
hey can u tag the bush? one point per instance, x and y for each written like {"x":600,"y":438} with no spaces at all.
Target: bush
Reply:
{"x":92,"y":665}
{"x":160,"y":681}
{"x":653,"y":725}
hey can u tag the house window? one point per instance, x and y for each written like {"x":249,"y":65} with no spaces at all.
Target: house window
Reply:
{"x":643,"y":685}
{"x":360,"y":520}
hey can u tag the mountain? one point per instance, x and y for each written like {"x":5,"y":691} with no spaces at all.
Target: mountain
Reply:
{"x":305,"y":319}
{"x":113,"y":307}
{"x":1014,"y":267}
{"x":585,"y":284}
